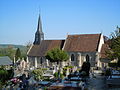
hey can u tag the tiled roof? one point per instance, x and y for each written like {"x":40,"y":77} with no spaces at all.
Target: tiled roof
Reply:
{"x":82,"y":43}
{"x":104,"y":48}
{"x":41,"y":50}
{"x":5,"y":60}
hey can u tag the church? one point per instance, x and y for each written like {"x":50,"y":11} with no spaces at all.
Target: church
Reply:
{"x":80,"y":47}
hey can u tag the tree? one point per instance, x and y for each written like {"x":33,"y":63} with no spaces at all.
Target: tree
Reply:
{"x":114,"y":52}
{"x":5,"y":75}
{"x":57,"y":55}
{"x":17,"y":54}
{"x":86,"y":67}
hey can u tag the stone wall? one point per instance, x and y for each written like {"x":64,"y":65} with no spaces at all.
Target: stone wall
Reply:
{"x":80,"y":57}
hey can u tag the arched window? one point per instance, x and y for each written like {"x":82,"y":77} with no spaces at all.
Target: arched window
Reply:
{"x":87,"y":58}
{"x":41,"y":60}
{"x":72,"y":57}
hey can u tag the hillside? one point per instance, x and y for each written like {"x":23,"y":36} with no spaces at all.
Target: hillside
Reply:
{"x":10,"y":49}
{"x":14,"y":46}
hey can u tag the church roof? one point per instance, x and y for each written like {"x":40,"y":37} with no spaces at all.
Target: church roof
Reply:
{"x":104,"y":48}
{"x":82,"y":43}
{"x":41,"y":50}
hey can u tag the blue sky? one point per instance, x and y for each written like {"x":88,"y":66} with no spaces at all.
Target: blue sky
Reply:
{"x":18,"y":18}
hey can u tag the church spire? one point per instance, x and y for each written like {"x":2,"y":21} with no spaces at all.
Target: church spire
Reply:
{"x":39,"y":27}
{"x":39,"y":35}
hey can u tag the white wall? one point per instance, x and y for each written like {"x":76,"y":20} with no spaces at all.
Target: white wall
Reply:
{"x":99,"y":63}
{"x":101,"y":43}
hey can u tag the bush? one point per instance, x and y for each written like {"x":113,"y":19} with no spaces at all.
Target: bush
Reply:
{"x":70,"y":66}
{"x":56,"y":75}
{"x":38,"y":74}
{"x":112,"y":64}
{"x":64,"y":71}
{"x":3,"y":74}
{"x":107,"y":72}
{"x":44,"y":69}
{"x":6,"y":75}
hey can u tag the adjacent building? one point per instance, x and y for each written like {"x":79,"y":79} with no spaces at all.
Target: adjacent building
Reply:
{"x":5,"y":61}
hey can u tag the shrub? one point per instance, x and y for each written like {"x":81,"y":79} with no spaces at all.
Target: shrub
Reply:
{"x":70,"y":66}
{"x":64,"y":71}
{"x":56,"y":75}
{"x":112,"y":64}
{"x":3,"y":75}
{"x":38,"y":74}
{"x":107,"y":72}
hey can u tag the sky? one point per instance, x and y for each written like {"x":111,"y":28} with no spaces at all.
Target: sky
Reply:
{"x":19,"y":18}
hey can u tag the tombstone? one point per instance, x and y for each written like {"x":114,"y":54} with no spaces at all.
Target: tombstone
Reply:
{"x":22,"y":64}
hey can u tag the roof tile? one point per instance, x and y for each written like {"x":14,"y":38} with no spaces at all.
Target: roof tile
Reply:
{"x":46,"y":45}
{"x":82,"y":43}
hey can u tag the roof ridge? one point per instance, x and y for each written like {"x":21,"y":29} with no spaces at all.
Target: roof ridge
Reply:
{"x":84,"y":34}
{"x":53,"y":39}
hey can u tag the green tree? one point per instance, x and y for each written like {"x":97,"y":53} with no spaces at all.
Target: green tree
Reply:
{"x":86,"y":68}
{"x":17,"y":54}
{"x":57,"y":55}
{"x":114,"y":52}
{"x":5,"y":75}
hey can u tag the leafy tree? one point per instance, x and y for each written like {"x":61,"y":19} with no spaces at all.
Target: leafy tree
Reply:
{"x":5,"y":75}
{"x":86,"y":67}
{"x":17,"y":54}
{"x":57,"y":55}
{"x":114,"y":52}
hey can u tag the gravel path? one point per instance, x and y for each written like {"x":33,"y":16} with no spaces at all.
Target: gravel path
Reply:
{"x":99,"y":83}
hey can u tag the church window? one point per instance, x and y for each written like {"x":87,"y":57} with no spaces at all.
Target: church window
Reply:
{"x":41,"y":60}
{"x":72,"y":57}
{"x":87,"y":58}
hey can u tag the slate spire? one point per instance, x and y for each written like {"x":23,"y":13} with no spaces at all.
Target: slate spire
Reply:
{"x":39,"y":35}
{"x":39,"y":27}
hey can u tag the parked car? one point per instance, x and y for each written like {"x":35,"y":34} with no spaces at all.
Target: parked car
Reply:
{"x":114,"y":79}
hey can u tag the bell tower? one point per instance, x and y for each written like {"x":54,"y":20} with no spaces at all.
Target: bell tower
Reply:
{"x":39,"y":35}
